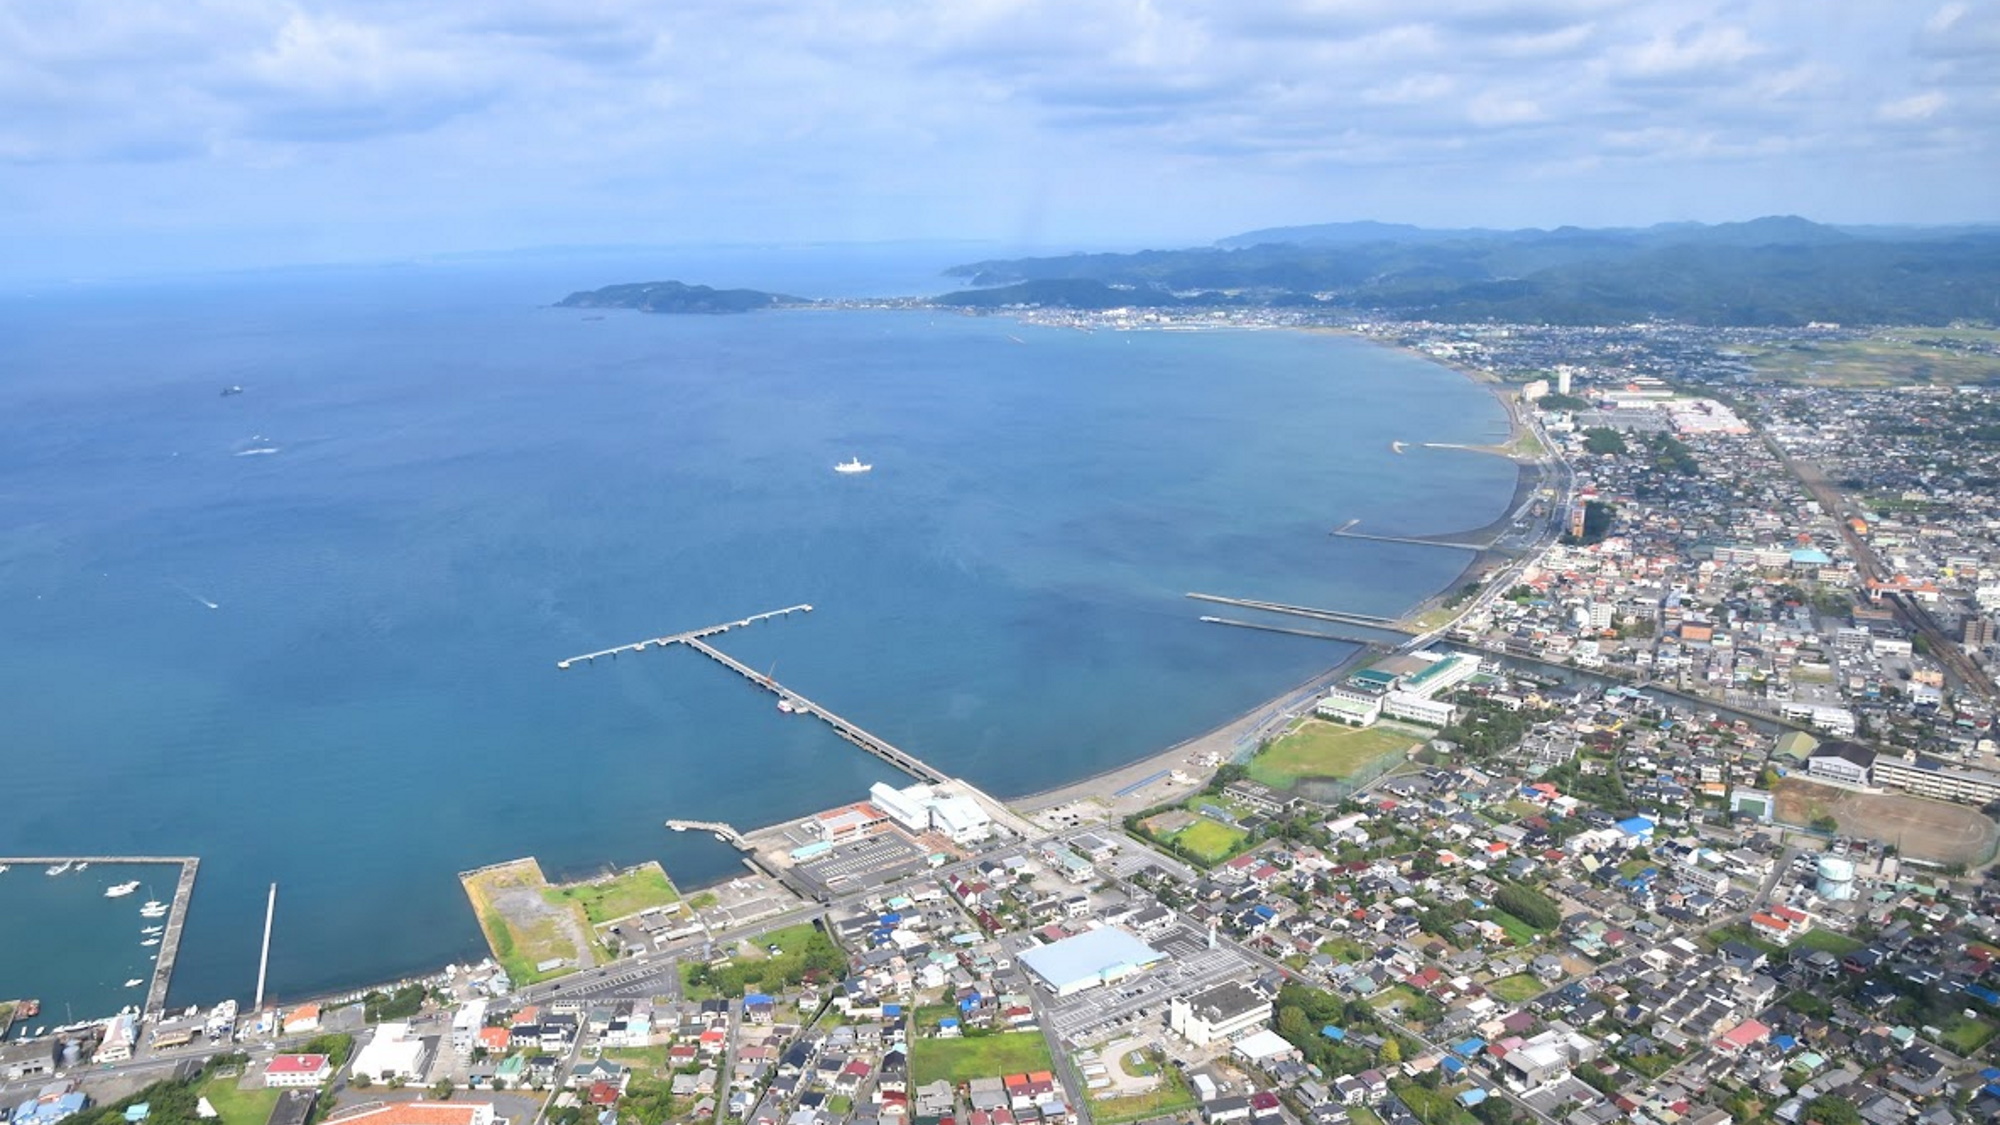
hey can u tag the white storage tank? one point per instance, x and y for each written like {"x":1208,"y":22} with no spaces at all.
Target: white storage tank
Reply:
{"x":1836,"y":878}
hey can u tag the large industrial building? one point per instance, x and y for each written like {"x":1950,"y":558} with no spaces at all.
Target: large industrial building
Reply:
{"x":923,"y":808}
{"x":1089,"y":959}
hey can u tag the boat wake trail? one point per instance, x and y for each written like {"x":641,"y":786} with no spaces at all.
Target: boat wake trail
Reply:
{"x":195,"y":596}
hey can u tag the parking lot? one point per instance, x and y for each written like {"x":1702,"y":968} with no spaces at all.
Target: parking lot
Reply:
{"x":865,"y":863}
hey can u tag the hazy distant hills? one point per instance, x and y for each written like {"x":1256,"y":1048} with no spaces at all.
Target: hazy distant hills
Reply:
{"x":1771,"y":271}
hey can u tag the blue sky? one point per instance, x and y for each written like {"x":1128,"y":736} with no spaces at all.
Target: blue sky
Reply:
{"x":145,"y":134}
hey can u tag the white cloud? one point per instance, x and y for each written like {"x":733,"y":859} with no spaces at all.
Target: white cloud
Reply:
{"x":718,"y":117}
{"x":1916,"y":107}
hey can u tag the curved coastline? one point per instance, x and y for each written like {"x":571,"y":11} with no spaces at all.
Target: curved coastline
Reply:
{"x":1221,"y":741}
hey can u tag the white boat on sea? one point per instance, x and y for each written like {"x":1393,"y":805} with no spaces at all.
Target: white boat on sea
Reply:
{"x":151,"y":930}
{"x":150,"y":941}
{"x":852,"y":465}
{"x":4,"y":868}
{"x":134,"y":982}
{"x":59,"y":868}
{"x":120,"y":890}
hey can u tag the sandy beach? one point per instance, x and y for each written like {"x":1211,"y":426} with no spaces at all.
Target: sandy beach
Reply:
{"x":1120,"y":792}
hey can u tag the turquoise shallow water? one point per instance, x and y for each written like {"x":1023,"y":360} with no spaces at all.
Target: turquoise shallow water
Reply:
{"x":468,"y":485}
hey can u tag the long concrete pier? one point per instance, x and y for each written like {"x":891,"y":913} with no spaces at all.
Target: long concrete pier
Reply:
{"x":852,"y":732}
{"x":681,"y":638}
{"x":1413,"y":540}
{"x":1377,"y":645}
{"x":1338,"y":617}
{"x":880,"y":747}
{"x":170,"y":941}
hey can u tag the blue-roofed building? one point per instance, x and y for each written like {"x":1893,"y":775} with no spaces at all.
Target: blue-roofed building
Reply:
{"x":891,"y":1011}
{"x":1637,"y":827}
{"x":1469,"y":1048}
{"x":1333,"y":1033}
{"x":1471,"y":1097}
{"x":48,"y":1110}
{"x":137,"y":1113}
{"x":1452,"y":1067}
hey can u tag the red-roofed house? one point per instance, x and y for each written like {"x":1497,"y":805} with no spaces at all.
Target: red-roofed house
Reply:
{"x":302,"y":1020}
{"x":495,"y":1039}
{"x":1773,"y":927}
{"x":297,"y":1070}
{"x":1743,"y":1036}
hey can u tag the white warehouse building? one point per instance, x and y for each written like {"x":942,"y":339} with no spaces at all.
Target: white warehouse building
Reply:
{"x":922,"y":808}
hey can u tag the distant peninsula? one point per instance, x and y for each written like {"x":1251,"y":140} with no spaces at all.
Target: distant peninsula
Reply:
{"x":675,"y":297}
{"x":1772,"y":272}
{"x":1778,"y":272}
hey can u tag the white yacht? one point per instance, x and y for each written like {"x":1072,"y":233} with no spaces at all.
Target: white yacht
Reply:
{"x":134,"y":982}
{"x":852,"y":465}
{"x":121,"y":890}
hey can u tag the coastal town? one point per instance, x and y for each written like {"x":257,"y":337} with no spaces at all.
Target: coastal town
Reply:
{"x":1674,"y":812}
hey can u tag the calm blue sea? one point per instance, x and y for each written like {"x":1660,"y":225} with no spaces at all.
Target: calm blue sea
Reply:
{"x":331,"y":665}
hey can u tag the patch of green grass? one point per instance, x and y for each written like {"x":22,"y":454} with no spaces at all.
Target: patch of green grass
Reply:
{"x":639,"y":1058}
{"x":1398,"y":994}
{"x":1321,"y":749}
{"x":1344,"y":949}
{"x":802,"y":951}
{"x":1362,"y":1115}
{"x":239,"y":1107}
{"x":840,"y":1104}
{"x":1516,"y":989}
{"x":1171,"y":1097}
{"x":1838,"y":944}
{"x":1210,"y":841}
{"x":978,"y":1056}
{"x":791,"y":939}
{"x":1521,"y":932}
{"x":626,"y":893}
{"x":1964,"y":1036}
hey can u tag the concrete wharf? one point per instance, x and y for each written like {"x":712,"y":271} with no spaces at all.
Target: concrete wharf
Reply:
{"x":682,"y":638}
{"x":1338,"y":617}
{"x":880,"y":747}
{"x":719,"y":830}
{"x":170,"y":938}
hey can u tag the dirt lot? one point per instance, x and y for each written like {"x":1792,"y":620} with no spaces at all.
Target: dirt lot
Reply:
{"x":1919,"y":827}
{"x":522,"y":926}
